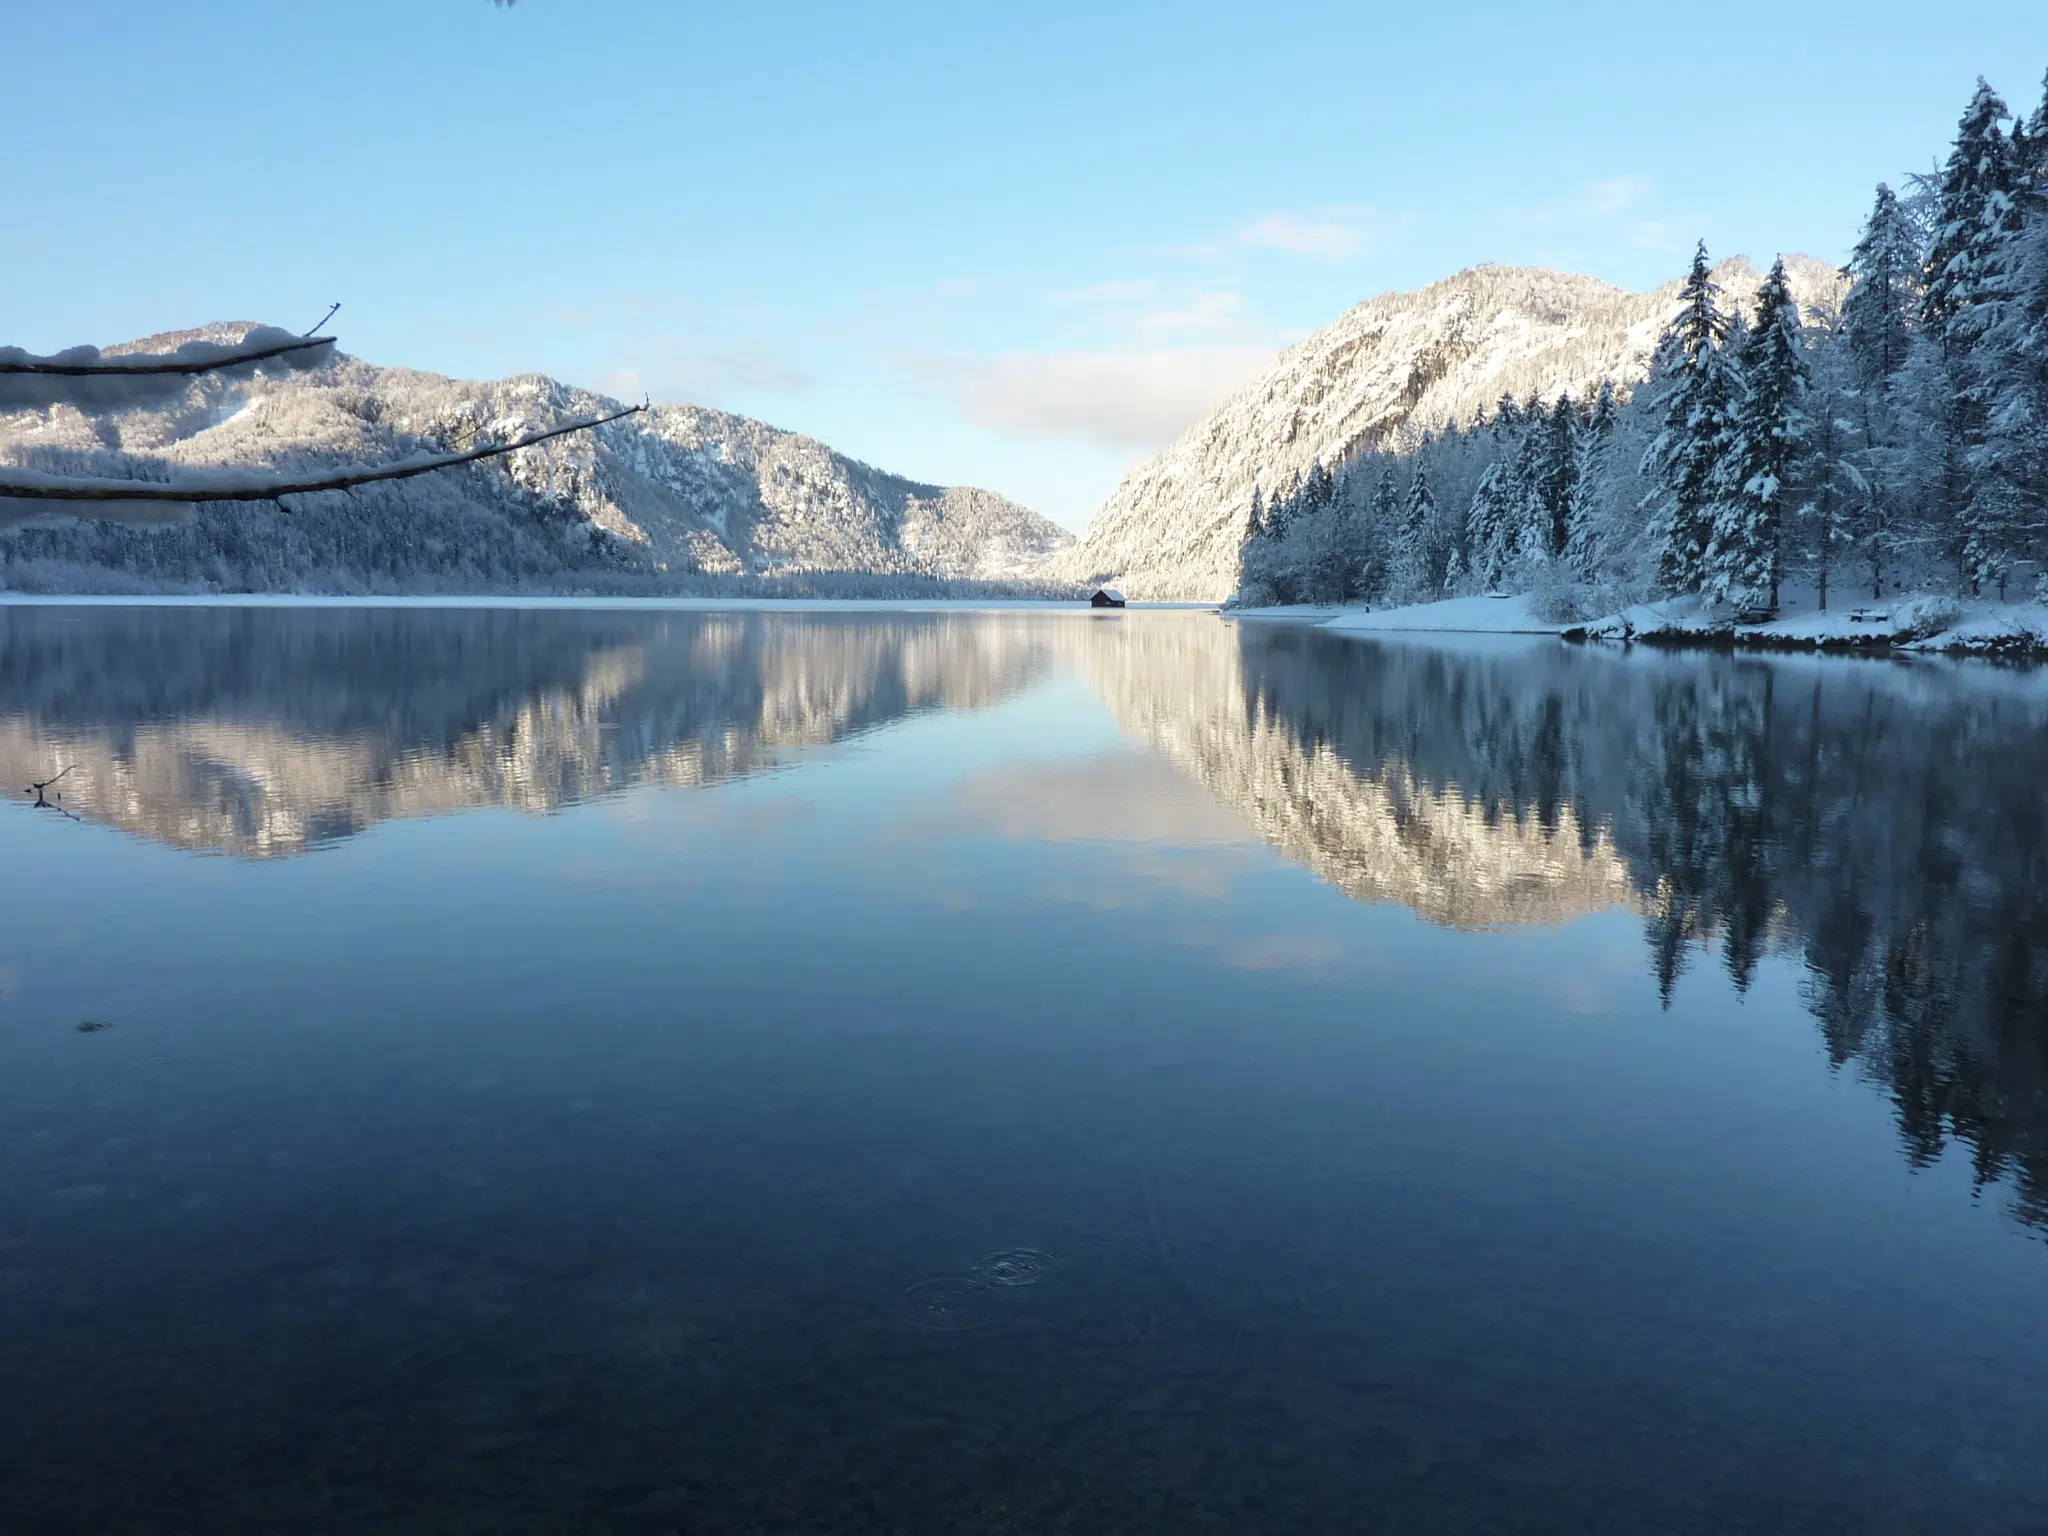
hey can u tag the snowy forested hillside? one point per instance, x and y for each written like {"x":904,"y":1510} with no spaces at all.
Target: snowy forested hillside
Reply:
{"x":1880,"y":429}
{"x":678,"y":496}
{"x":1381,"y":376}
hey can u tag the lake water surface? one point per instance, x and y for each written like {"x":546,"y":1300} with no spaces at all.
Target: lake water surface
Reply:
{"x":588,"y":1069}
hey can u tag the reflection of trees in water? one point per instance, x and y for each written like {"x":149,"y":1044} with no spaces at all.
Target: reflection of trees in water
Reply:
{"x":265,"y":730}
{"x":1883,"y":820}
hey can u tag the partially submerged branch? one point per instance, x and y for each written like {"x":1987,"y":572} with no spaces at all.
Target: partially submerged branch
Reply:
{"x":28,"y":492}
{"x":40,"y":791}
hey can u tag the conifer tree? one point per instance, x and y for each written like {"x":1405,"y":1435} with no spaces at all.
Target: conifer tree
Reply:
{"x":1974,"y":206}
{"x":1489,"y":526}
{"x":1415,"y":551}
{"x":1837,"y":453}
{"x":1557,"y":475}
{"x":1582,"y":537}
{"x":1745,"y":553}
{"x":1694,"y":398}
{"x":1884,"y":269}
{"x":1526,"y":535}
{"x":1281,"y":507}
{"x":1386,"y":502}
{"x":2033,"y":164}
{"x":2006,"y":390}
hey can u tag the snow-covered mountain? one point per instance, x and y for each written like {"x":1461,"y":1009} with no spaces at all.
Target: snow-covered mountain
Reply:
{"x":1383,"y":373}
{"x":678,"y":491}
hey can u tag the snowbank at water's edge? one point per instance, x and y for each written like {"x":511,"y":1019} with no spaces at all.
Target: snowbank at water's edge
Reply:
{"x":1917,"y":622}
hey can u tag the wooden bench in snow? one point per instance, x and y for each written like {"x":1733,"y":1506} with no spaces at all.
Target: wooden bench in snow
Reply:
{"x":1870,"y":615}
{"x":1106,"y":597}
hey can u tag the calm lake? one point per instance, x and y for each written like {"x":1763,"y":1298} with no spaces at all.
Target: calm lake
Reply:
{"x":585,"y":1069}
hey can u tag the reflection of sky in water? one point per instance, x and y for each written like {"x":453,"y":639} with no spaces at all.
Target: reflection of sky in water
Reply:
{"x":549,"y":1155}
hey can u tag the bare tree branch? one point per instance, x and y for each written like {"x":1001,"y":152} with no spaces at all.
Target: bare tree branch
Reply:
{"x":255,"y":485}
{"x":89,"y":380}
{"x":145,"y":364}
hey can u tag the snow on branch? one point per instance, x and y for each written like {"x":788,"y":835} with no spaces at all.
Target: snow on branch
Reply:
{"x":27,"y":493}
{"x":87,"y":378}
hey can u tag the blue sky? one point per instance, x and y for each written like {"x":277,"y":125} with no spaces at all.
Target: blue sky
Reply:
{"x":1015,"y":246}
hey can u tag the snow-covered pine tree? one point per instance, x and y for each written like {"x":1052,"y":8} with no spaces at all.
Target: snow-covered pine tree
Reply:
{"x":1978,"y":217}
{"x":2006,"y":517}
{"x":1386,"y":504}
{"x":1281,"y":507}
{"x":1884,"y":270}
{"x":1507,"y":418}
{"x":1557,"y":474}
{"x":1319,"y":488}
{"x":2034,"y":165}
{"x":1975,"y":203}
{"x":1693,"y":396}
{"x":1489,"y":526}
{"x":1416,"y":551}
{"x":1893,"y":382}
{"x":1837,"y":487}
{"x":1525,"y":530}
{"x":1357,"y":544}
{"x":1745,"y":555}
{"x":1582,"y":536}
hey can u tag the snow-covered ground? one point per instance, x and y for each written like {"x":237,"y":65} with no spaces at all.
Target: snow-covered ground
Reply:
{"x":1918,"y":622}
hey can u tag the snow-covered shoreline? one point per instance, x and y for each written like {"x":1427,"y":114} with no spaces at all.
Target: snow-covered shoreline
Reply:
{"x":1918,"y":622}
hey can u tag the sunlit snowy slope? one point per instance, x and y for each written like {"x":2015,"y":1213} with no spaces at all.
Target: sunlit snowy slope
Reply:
{"x":1383,"y":373}
{"x":679,"y":490}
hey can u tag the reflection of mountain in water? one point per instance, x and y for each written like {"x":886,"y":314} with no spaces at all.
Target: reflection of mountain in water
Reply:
{"x":1883,"y":820}
{"x":261,"y":731}
{"x":1369,"y":825}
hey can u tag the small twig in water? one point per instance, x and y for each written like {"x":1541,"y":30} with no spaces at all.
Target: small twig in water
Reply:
{"x":41,"y":792}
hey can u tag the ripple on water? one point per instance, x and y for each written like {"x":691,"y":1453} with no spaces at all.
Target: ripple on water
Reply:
{"x":1012,"y":1266}
{"x":950,"y":1303}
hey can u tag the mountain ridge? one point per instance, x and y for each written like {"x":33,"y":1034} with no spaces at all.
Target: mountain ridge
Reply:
{"x":678,"y":492}
{"x":1387,"y":369}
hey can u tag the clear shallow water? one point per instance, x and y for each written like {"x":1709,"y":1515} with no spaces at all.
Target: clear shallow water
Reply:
{"x":590,"y":1070}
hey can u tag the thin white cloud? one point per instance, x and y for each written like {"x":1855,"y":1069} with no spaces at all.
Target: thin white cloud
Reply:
{"x":1129,"y":400}
{"x":1115,"y":291}
{"x":1329,"y":234}
{"x":674,"y":370}
{"x":1333,"y":233}
{"x":1206,"y":314}
{"x":1620,"y":204}
{"x":1615,"y":196}
{"x":1300,"y":235}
